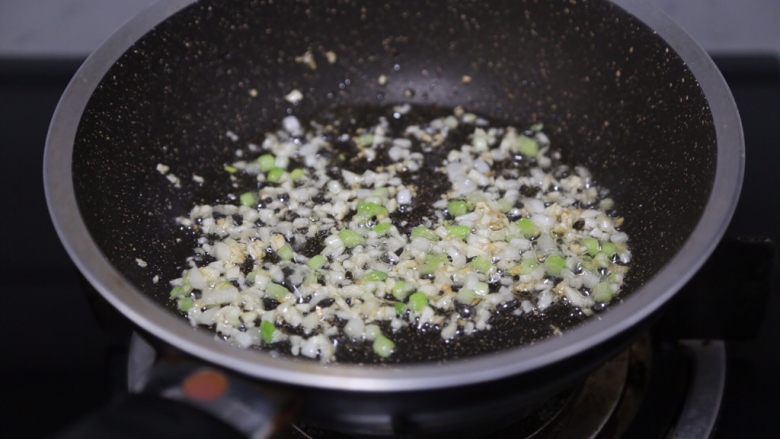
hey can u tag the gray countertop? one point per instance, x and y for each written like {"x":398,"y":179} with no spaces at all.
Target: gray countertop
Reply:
{"x":73,"y":28}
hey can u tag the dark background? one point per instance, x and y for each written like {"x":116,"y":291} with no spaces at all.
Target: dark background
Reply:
{"x":59,"y":362}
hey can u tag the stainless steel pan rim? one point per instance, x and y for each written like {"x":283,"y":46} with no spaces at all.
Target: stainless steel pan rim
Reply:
{"x":172,"y":329}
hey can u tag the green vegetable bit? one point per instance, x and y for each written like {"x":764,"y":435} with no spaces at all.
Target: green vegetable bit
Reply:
{"x":185,"y":304}
{"x":525,"y":267}
{"x":180,"y":291}
{"x":591,"y":245}
{"x":248,"y":199}
{"x":400,"y":308}
{"x":285,"y":253}
{"x":481,"y":264}
{"x":277,"y":292}
{"x":364,"y":140}
{"x":401,"y":289}
{"x":417,"y":302}
{"x":527,"y":227}
{"x":350,"y":239}
{"x":266,"y":162}
{"x":383,"y":346}
{"x":609,"y":249}
{"x":368,"y":209}
{"x":603,"y":292}
{"x":527,"y":146}
{"x":554,"y":264}
{"x":422,"y":232}
{"x":602,"y":260}
{"x":275,"y":175}
{"x":458,"y":232}
{"x":375,"y":276}
{"x":231,"y":169}
{"x":297,"y":174}
{"x":317,"y":262}
{"x":466,"y":297}
{"x":382,"y":229}
{"x":432,"y":262}
{"x":267,"y":330}
{"x":458,"y":207}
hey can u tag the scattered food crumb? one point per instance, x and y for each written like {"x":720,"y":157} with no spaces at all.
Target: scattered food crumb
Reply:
{"x":381,"y":80}
{"x":253,"y":92}
{"x":231,"y":135}
{"x":155,"y":279}
{"x":466,"y":79}
{"x":331,"y":56}
{"x":174,"y":180}
{"x":308,"y":59}
{"x":198,"y":179}
{"x":163,"y":169}
{"x":294,"y":96}
{"x":141,"y":263}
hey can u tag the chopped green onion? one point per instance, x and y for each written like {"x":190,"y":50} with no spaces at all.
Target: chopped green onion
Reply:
{"x":317,"y":262}
{"x":525,"y":267}
{"x":382,"y":229}
{"x":375,"y":276}
{"x":401,"y":289}
{"x":527,"y":146}
{"x":458,"y":232}
{"x":417,"y":302}
{"x":185,"y":304}
{"x":350,"y":239}
{"x":422,"y":232}
{"x":267,"y":330}
{"x":297,"y":174}
{"x":275,"y":175}
{"x":481,"y":288}
{"x":554,"y":264}
{"x":364,"y":140}
{"x":370,"y":210}
{"x":432,"y":262}
{"x":277,"y":292}
{"x":231,"y":169}
{"x":481,"y":264}
{"x":400,"y":308}
{"x":603,"y":292}
{"x":458,"y":207}
{"x":591,"y":245}
{"x":609,"y":249}
{"x":266,"y":162}
{"x":467,"y":297}
{"x":602,"y":260}
{"x":252,"y":276}
{"x":537,"y":127}
{"x":180,"y":291}
{"x":285,"y":253}
{"x":248,"y":199}
{"x":383,"y":346}
{"x":527,"y":227}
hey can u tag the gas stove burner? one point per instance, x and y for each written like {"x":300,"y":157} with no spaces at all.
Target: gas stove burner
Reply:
{"x":652,"y":389}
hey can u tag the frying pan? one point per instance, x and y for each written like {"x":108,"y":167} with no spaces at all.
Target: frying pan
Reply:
{"x":618,"y":87}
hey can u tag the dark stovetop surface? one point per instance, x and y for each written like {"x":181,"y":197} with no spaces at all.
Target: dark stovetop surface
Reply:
{"x":58,"y":364}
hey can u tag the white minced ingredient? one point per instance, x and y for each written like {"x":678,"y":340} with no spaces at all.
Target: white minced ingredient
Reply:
{"x":530,"y":236}
{"x":294,"y":96}
{"x":174,"y":180}
{"x":141,"y":263}
{"x":163,"y":169}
